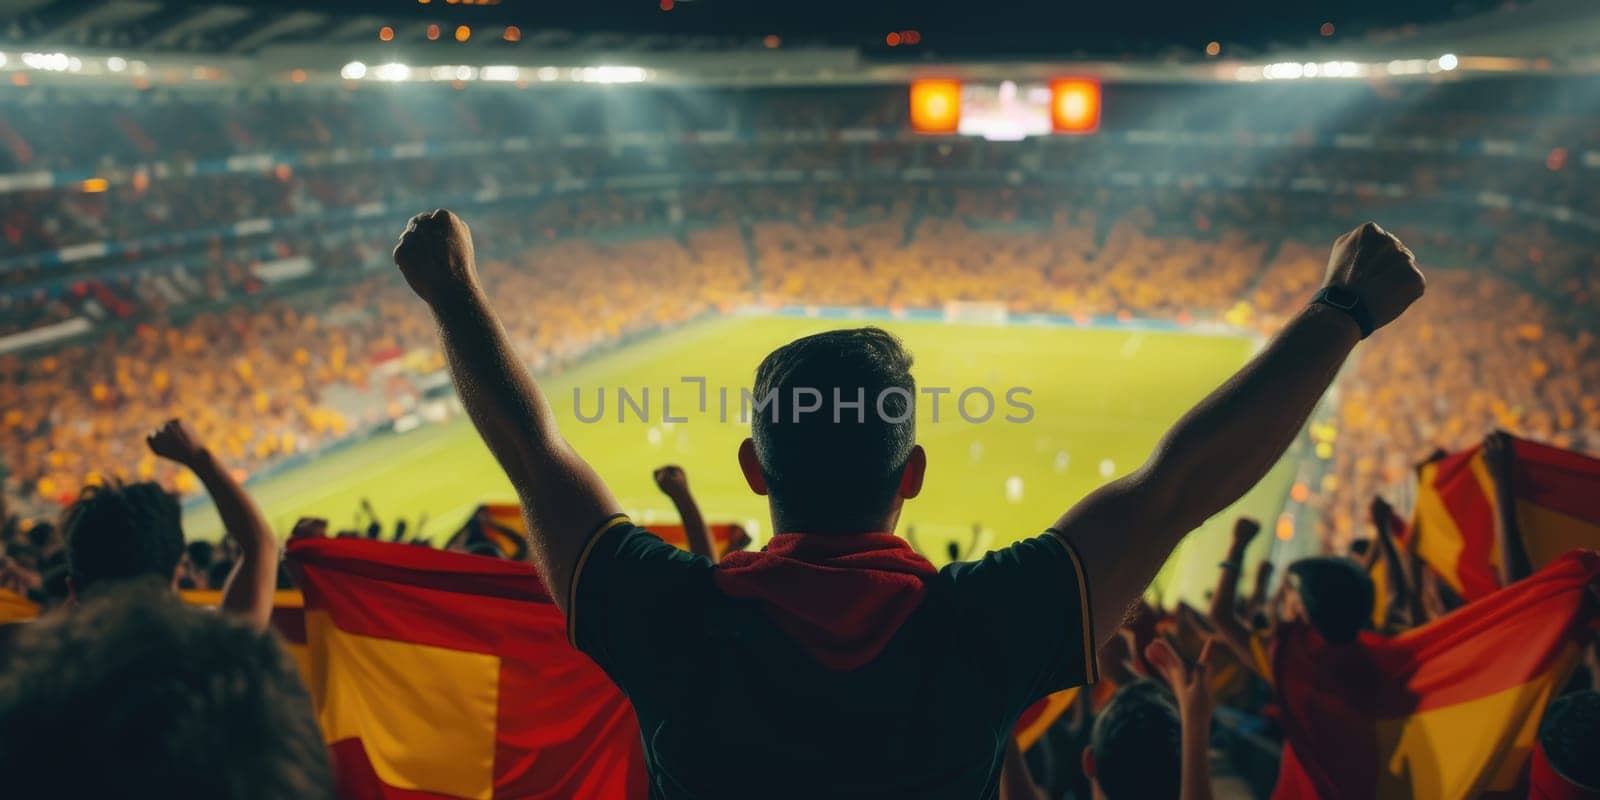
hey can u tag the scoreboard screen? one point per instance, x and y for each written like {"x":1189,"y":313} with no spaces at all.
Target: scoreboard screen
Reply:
{"x":1008,"y":110}
{"x":1004,"y":112}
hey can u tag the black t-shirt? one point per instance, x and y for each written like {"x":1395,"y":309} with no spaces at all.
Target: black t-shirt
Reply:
{"x":730,"y":706}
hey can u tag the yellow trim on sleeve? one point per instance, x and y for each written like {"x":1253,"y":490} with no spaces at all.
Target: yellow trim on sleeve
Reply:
{"x":577,"y":572}
{"x":1091,"y":665}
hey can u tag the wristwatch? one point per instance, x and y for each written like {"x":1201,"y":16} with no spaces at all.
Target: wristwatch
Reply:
{"x":1348,"y":301}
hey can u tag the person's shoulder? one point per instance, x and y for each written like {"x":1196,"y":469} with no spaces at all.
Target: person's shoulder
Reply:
{"x":1039,"y":567}
{"x":620,"y":538}
{"x":1032,"y":553}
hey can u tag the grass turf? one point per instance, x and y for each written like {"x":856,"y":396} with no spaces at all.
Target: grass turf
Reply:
{"x":1101,"y":399}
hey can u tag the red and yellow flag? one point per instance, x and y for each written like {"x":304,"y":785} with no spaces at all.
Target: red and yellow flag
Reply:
{"x":16,"y":608}
{"x":445,"y":675}
{"x":1450,"y":709}
{"x":1038,"y":718}
{"x":508,"y":532}
{"x":1555,"y":499}
{"x":1378,"y":568}
{"x":1546,"y":498}
{"x":724,"y":536}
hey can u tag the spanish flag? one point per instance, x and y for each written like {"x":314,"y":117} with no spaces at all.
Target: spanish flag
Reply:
{"x":16,"y":608}
{"x":724,"y":536}
{"x":1384,"y":616}
{"x":1447,"y":710}
{"x":445,"y":675}
{"x":1542,"y":499}
{"x":508,"y":532}
{"x":288,"y":618}
{"x":1038,"y":718}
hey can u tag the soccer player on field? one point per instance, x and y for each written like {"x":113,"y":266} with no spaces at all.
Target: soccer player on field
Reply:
{"x":821,"y":666}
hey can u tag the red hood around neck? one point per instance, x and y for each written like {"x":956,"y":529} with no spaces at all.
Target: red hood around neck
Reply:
{"x":841,"y":597}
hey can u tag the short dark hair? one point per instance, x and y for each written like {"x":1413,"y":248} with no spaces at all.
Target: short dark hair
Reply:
{"x":200,"y":554}
{"x":1569,"y":736}
{"x":133,"y":693}
{"x":835,"y":470}
{"x":1337,"y":594}
{"x":1137,"y":743}
{"x":120,"y":531}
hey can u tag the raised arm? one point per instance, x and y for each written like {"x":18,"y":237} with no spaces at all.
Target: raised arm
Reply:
{"x":563,"y":500}
{"x":1223,"y":613}
{"x":1124,"y":531}
{"x":675,"y":485}
{"x":1191,"y":686}
{"x":249,"y":588}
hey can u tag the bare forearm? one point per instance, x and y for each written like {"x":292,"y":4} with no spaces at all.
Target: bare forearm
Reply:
{"x":694,"y":525}
{"x":562,"y":498}
{"x":1126,"y":530}
{"x":1227,"y":443}
{"x":1196,"y":755}
{"x":1225,"y":597}
{"x":249,"y":588}
{"x":500,"y":396}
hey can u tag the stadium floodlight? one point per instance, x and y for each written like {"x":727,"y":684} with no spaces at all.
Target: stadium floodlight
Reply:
{"x":1448,"y":62}
{"x":2,"y":59}
{"x":499,"y":73}
{"x":353,"y":71}
{"x":1343,"y":69}
{"x":48,"y":62}
{"x":935,"y":105}
{"x":392,"y":72}
{"x":116,"y":63}
{"x":548,"y":73}
{"x":1075,"y":105}
{"x":1283,"y":71}
{"x":610,"y":75}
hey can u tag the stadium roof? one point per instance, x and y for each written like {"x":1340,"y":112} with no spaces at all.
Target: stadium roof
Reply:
{"x":769,"y":42}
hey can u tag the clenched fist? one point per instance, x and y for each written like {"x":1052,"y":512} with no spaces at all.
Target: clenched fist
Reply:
{"x":1373,"y":264}
{"x":671,"y":480}
{"x":175,"y":442}
{"x":435,"y":256}
{"x":1244,"y":532}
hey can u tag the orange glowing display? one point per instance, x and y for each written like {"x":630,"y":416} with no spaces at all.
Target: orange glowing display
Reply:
{"x":1075,"y":105}
{"x":935,"y":106}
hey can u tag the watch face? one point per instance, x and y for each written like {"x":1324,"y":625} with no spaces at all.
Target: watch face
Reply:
{"x":1340,"y":297}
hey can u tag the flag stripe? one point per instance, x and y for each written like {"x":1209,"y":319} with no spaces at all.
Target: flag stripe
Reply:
{"x":392,"y":694}
{"x":1445,"y":710}
{"x":1444,"y":752}
{"x":1455,"y":522}
{"x":1041,"y":715}
{"x":1520,"y":632}
{"x":441,"y":674}
{"x":356,"y":780}
{"x":423,"y":568}
{"x":1557,"y":479}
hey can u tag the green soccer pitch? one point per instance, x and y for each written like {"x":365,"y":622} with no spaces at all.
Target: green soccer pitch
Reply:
{"x":1101,"y":399}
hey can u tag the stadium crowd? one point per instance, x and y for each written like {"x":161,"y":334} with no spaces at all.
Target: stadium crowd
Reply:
{"x":262,"y":370}
{"x":288,"y":370}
